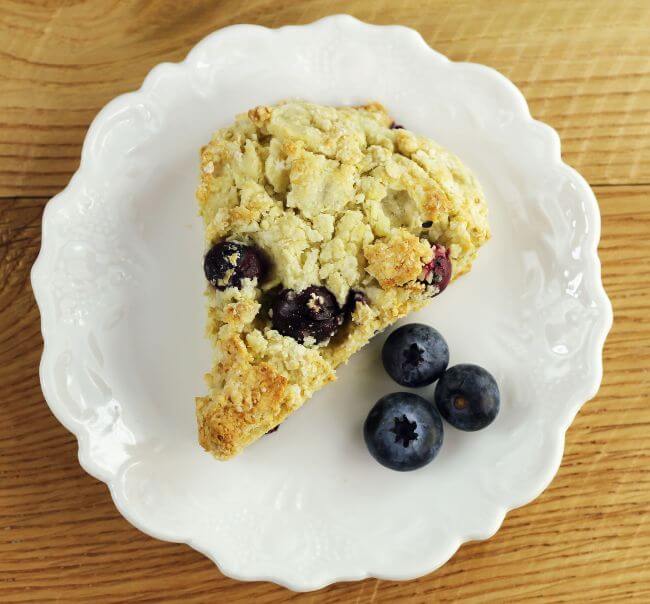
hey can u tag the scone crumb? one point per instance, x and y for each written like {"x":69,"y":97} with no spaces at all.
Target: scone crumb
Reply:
{"x":259,"y":115}
{"x":397,"y":259}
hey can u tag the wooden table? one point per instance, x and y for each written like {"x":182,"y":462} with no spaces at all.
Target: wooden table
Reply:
{"x":584,"y":67}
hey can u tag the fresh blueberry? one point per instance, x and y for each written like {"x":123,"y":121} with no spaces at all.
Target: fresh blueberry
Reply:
{"x":311,"y":313}
{"x":227,"y":263}
{"x":437,"y":273}
{"x":467,"y":396}
{"x":415,"y":355}
{"x":403,"y":431}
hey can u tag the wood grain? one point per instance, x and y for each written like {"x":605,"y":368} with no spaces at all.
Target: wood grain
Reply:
{"x":585,"y":69}
{"x":583,"y":65}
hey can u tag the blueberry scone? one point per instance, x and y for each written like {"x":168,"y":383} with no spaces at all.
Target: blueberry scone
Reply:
{"x":323,"y":225}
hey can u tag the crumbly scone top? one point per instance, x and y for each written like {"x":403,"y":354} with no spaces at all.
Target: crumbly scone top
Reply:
{"x":336,"y":197}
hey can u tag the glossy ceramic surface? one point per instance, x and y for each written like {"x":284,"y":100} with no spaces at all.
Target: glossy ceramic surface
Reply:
{"x":119,"y":284}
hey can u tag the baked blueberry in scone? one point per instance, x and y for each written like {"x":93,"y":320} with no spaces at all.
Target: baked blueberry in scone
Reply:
{"x":323,"y":225}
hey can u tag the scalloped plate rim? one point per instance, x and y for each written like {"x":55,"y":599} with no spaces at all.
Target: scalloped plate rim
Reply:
{"x":38,"y":280}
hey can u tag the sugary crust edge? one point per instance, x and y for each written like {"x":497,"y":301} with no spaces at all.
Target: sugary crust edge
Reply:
{"x":225,"y":432}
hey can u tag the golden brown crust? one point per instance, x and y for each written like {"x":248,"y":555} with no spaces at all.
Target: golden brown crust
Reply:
{"x":226,"y":425}
{"x":397,"y":260}
{"x":335,"y":197}
{"x":259,"y":115}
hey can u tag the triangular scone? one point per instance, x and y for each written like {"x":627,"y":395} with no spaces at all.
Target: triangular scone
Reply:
{"x":299,"y":195}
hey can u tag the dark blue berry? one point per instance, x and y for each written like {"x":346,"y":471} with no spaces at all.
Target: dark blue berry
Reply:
{"x":415,"y":355}
{"x":403,"y":431}
{"x":227,"y":263}
{"x":467,"y":396}
{"x":311,"y":313}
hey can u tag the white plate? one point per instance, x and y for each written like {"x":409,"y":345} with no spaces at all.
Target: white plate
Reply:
{"x":119,"y":284}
